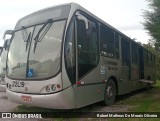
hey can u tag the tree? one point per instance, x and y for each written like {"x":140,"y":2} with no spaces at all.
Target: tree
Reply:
{"x":152,"y":21}
{"x":152,"y":24}
{"x":151,"y":48}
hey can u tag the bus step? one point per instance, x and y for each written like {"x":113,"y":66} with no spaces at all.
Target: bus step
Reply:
{"x":147,"y":81}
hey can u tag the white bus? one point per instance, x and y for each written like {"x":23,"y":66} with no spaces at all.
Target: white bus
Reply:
{"x":65,"y":57}
{"x":3,"y":57}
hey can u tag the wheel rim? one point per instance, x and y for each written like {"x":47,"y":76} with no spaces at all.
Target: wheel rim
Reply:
{"x":109,"y":92}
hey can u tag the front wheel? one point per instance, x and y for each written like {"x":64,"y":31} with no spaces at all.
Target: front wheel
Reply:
{"x":110,"y":93}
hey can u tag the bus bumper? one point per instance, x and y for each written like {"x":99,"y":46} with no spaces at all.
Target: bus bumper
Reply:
{"x":60,"y":100}
{"x":2,"y":88}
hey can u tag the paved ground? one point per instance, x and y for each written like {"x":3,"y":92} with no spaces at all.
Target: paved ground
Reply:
{"x":8,"y":106}
{"x":5,"y":104}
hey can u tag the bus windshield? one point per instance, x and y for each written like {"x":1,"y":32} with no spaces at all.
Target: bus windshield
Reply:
{"x":3,"y":63}
{"x":35,"y":53}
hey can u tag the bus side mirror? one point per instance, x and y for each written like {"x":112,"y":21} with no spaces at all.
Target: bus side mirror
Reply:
{"x":9,"y":32}
{"x":6,"y":44}
{"x":7,"y":41}
{"x":81,"y":17}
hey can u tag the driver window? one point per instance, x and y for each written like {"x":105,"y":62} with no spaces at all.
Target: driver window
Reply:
{"x":87,"y":40}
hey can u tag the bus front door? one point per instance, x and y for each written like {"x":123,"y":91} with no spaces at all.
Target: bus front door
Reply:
{"x":87,"y":61}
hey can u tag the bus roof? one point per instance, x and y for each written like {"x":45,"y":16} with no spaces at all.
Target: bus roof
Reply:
{"x":65,"y":10}
{"x":55,"y":13}
{"x":76,"y":7}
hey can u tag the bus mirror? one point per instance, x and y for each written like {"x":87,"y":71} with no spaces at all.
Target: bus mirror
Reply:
{"x":9,"y":32}
{"x":81,"y":17}
{"x":6,"y":44}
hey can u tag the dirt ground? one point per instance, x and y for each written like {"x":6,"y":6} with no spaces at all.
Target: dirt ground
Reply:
{"x":8,"y":106}
{"x":5,"y":104}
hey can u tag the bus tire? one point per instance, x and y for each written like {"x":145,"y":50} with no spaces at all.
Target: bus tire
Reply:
{"x":110,"y":93}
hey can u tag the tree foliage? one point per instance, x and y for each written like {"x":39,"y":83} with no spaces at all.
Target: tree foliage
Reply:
{"x":152,"y":24}
{"x":151,"y":48}
{"x":152,"y":21}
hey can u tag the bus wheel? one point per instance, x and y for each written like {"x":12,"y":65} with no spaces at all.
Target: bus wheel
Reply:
{"x":110,"y":93}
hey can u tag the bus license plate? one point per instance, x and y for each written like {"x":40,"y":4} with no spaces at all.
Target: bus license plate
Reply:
{"x":26,"y":98}
{"x":18,"y":84}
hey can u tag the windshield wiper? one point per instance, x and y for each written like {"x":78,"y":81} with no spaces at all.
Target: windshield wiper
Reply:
{"x":24,"y":33}
{"x":38,"y":38}
{"x":25,"y":36}
{"x":27,"y":43}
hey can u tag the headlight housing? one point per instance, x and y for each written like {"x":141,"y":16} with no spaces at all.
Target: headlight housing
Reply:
{"x":2,"y":82}
{"x":51,"y":88}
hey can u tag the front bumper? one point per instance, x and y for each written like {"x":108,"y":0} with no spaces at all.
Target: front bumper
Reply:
{"x":2,"y":88}
{"x":61,"y":100}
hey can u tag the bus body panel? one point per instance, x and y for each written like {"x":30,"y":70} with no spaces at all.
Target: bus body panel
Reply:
{"x":61,"y":100}
{"x":89,"y":94}
{"x":89,"y":88}
{"x":33,"y":87}
{"x":2,"y":88}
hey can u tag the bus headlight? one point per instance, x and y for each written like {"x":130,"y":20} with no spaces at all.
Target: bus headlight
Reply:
{"x":51,"y":88}
{"x":8,"y":86}
{"x":48,"y":88}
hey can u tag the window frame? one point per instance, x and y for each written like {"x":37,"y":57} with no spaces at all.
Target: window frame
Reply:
{"x":108,"y":42}
{"x":96,"y":54}
{"x":134,"y":53}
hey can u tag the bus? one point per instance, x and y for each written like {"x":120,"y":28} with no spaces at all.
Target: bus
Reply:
{"x":3,"y":57}
{"x":64,"y":57}
{"x":1,"y":48}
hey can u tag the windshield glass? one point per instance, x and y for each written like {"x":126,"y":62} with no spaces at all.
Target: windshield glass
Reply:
{"x":36,"y":58}
{"x":17,"y":55}
{"x":3,"y":63}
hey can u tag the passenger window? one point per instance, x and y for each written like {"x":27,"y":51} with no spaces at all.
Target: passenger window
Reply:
{"x":117,"y":46}
{"x":107,"y":41}
{"x":146,"y":57}
{"x":125,"y":52}
{"x":134,"y":54}
{"x":87,"y":40}
{"x":153,"y":58}
{"x":149,"y":58}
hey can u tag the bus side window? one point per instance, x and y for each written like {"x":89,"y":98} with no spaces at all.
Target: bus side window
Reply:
{"x":107,"y":41}
{"x":87,"y":40}
{"x":70,"y":53}
{"x":125,"y":52}
{"x":116,"y":46}
{"x":153,"y":58}
{"x":134,"y":54}
{"x":146,"y":57}
{"x":149,"y":59}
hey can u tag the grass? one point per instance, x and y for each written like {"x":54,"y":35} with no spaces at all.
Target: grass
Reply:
{"x":140,"y":101}
{"x":147,"y":101}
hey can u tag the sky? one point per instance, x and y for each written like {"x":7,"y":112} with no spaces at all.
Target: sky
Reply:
{"x":124,"y":15}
